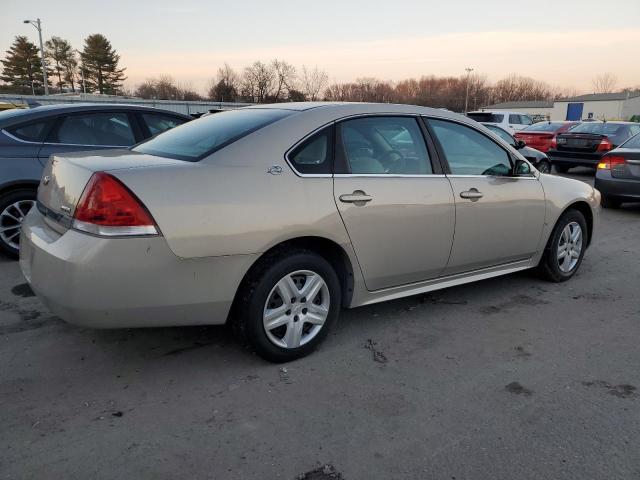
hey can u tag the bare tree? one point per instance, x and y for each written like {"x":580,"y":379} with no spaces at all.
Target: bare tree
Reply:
{"x":605,"y":83}
{"x":257,"y":82}
{"x":313,"y":82}
{"x":285,"y":76}
{"x":225,"y":87}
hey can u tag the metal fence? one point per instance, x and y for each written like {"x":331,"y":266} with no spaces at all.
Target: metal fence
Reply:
{"x":179,"y":106}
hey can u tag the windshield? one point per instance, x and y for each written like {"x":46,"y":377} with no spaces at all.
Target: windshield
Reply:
{"x":633,"y":142}
{"x":544,"y":127}
{"x":599,"y":128}
{"x":196,"y":139}
{"x":501,"y":133}
{"x":486,"y":117}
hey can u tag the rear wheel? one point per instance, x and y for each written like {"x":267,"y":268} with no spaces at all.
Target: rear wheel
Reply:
{"x":609,"y":202}
{"x":14,"y":206}
{"x":288,"y":305}
{"x":561,"y":168}
{"x":565,"y":249}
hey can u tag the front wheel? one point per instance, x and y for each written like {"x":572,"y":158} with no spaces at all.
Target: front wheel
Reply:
{"x":565,"y":249}
{"x":14,"y":206}
{"x":288,"y":305}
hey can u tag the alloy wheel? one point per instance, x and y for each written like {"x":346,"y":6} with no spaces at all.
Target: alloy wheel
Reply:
{"x":296,"y":309}
{"x":10,"y":220}
{"x":569,"y":247}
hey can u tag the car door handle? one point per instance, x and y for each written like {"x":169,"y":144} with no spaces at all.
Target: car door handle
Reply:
{"x":472,"y":194}
{"x":356,"y":197}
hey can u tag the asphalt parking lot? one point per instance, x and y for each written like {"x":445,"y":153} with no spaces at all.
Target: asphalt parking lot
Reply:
{"x":510,"y":378}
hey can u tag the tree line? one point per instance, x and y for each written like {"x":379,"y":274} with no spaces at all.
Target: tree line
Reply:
{"x":94,"y":69}
{"x":261,"y":82}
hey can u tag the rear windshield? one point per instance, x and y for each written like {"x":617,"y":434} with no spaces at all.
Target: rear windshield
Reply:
{"x":544,"y":127}
{"x":598,"y":127}
{"x":633,"y":142}
{"x":486,"y":117}
{"x":197,"y":139}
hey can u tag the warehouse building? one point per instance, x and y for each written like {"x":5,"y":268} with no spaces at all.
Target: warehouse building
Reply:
{"x":599,"y":106}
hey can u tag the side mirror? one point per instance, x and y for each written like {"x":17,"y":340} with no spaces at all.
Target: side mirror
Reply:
{"x":520,"y":144}
{"x":521,"y":168}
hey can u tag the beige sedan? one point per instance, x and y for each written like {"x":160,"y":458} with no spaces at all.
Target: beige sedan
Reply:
{"x":275,"y":217}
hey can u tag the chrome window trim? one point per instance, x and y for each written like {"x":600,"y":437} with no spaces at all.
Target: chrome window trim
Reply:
{"x":338,"y":120}
{"x":523,"y":177}
{"x":87,"y":145}
{"x":389,"y":175}
{"x":13,"y":137}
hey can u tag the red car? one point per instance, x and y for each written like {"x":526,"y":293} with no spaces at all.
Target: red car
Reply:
{"x":542,"y":135}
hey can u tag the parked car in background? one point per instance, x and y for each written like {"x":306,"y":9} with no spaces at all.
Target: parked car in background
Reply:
{"x":512,"y":122}
{"x":542,"y":135}
{"x":586,"y":144}
{"x":536,"y":157}
{"x":28,"y":137}
{"x":618,"y":174}
{"x":277,"y":216}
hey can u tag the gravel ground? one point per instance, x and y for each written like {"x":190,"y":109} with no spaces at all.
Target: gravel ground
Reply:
{"x":508,"y":378}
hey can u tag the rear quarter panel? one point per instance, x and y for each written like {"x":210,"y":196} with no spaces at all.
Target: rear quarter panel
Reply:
{"x":228,"y":204}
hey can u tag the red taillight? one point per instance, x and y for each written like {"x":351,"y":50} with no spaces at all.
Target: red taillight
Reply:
{"x":611,"y":162}
{"x":107,"y":207}
{"x":604,"y":145}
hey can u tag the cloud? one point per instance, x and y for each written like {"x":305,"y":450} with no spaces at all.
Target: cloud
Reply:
{"x":561,"y":58}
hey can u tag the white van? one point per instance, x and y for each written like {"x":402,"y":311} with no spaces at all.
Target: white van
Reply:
{"x":512,"y":122}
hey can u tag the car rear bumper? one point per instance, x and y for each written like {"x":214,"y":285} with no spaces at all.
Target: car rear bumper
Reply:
{"x":620,"y":188}
{"x":575,"y":158}
{"x":125,"y":282}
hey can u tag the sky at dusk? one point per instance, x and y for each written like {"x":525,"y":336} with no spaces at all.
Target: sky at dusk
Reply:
{"x":564,"y":43}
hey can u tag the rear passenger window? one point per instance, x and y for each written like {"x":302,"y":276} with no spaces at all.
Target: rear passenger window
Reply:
{"x":33,"y":132}
{"x":159,"y":123}
{"x":468,"y":152}
{"x":383,"y":145}
{"x":514,"y":119}
{"x":100,"y":129}
{"x":314,"y":156}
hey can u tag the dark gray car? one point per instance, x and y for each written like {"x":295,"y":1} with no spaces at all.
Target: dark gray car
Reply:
{"x":536,"y":157}
{"x":618,"y":174}
{"x":28,"y":137}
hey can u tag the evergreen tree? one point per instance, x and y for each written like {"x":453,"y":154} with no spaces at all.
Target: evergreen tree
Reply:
{"x":22,"y":67}
{"x":100,"y":64}
{"x":62,"y":60}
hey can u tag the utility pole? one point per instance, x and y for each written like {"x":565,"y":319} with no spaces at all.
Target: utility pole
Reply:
{"x":36,"y":23}
{"x":84,"y":87}
{"x":466,"y":98}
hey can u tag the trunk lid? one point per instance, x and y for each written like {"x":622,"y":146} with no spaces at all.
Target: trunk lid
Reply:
{"x":65,"y":177}
{"x":579,"y":142}
{"x":535,"y":139}
{"x":631,"y":168}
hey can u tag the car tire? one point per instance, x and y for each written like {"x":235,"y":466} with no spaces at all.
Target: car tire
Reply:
{"x":544,"y":166}
{"x":260,"y":299}
{"x":14,"y":206}
{"x":609,"y":202}
{"x":561,"y":168}
{"x":556,"y":267}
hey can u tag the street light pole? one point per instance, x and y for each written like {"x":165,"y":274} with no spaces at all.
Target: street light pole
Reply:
{"x":38,"y":26}
{"x":466,"y":99}
{"x":84,"y":87}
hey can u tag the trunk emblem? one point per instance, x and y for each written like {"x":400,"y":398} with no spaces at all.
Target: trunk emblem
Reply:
{"x":46,"y":180}
{"x":275,"y":170}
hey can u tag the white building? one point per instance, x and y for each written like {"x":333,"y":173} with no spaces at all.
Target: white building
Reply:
{"x":599,"y":106}
{"x":531,"y":107}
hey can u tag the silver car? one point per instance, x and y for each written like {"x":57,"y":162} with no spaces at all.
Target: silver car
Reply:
{"x":275,"y":217}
